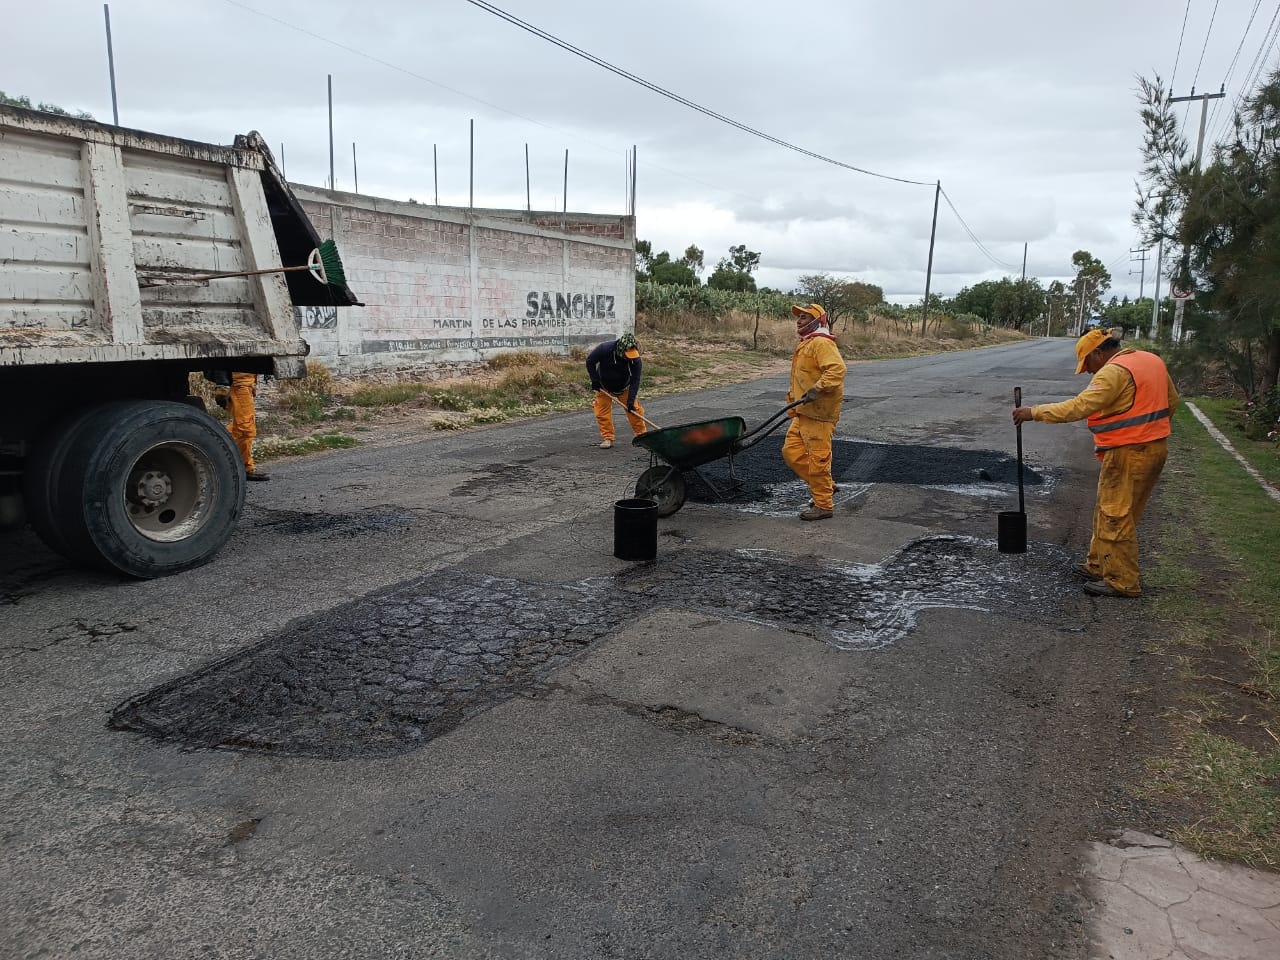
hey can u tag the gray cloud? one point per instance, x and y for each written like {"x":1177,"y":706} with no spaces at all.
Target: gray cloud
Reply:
{"x":1025,"y":112}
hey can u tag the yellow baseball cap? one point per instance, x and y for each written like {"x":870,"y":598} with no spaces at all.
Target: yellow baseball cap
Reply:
{"x":813,"y":311}
{"x":1090,"y":342}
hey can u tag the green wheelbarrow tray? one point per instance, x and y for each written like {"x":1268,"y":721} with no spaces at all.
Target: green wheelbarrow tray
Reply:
{"x":688,"y":446}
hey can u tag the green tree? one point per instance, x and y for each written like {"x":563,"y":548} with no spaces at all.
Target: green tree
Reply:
{"x":695,"y":259}
{"x":25,"y":103}
{"x":841,"y":298}
{"x":1227,"y":218}
{"x":644,"y":260}
{"x":1092,"y":281}
{"x":734,"y":272}
{"x":674,"y":272}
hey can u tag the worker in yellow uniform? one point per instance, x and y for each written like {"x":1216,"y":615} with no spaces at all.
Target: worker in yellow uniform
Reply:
{"x":236,"y":394}
{"x":1128,"y":405}
{"x":817,"y":378}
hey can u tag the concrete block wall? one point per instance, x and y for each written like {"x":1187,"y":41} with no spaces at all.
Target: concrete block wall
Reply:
{"x":448,"y":287}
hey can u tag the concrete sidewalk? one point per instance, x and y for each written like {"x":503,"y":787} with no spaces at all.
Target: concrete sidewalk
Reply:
{"x":1157,"y":901}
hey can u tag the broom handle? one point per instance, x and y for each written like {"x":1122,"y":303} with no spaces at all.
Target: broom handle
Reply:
{"x":624,"y":407}
{"x":248,"y":273}
{"x":1017,"y":402}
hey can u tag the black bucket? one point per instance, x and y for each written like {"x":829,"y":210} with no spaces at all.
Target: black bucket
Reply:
{"x":1011,"y":531}
{"x":635,"y":529}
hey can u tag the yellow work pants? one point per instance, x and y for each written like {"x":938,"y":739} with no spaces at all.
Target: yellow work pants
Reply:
{"x":807,"y":451}
{"x":604,"y":415}
{"x":244,"y":423}
{"x":1128,"y":476}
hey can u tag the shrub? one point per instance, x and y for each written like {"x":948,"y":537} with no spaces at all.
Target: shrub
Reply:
{"x":1262,"y":416}
{"x":306,"y":398}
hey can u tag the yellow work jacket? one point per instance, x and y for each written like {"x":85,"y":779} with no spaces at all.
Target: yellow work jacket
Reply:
{"x":817,"y":363}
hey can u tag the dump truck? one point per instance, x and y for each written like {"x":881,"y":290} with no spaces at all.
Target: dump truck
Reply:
{"x":106,"y":237}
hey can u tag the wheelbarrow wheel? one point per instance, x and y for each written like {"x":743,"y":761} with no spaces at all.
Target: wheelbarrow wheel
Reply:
{"x":664,"y":486}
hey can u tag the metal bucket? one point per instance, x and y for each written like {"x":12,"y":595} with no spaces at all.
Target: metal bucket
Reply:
{"x":635,"y":529}
{"x":1011,"y":531}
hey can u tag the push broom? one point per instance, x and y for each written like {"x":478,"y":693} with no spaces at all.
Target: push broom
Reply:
{"x":323,"y":264}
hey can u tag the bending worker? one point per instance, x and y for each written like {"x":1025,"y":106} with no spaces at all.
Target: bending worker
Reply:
{"x":614,"y":368}
{"x":817,"y":377}
{"x":235,"y":392}
{"x":1128,"y":405}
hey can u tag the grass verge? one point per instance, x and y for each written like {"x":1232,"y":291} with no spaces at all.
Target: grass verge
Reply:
{"x":269,"y":448}
{"x":1216,"y":585}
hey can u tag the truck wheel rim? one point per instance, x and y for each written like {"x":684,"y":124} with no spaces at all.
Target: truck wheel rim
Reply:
{"x":167,"y":496}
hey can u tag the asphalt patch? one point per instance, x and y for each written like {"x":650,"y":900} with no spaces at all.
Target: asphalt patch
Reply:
{"x":759,"y":469}
{"x":326,"y":525}
{"x":386,"y":673}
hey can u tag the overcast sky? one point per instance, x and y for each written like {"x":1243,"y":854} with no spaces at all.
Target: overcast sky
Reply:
{"x":1025,"y":110}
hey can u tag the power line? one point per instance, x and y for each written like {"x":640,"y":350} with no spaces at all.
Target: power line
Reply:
{"x":570,"y":48}
{"x":684,"y":101}
{"x":976,"y":242}
{"x":493,"y":106}
{"x":1212,"y":17}
{"x":1174,"y":72}
{"x":1213,"y":115}
{"x":1259,"y":60}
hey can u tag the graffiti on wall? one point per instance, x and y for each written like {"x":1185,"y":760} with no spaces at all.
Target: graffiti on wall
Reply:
{"x":546,"y":310}
{"x":317,"y":318}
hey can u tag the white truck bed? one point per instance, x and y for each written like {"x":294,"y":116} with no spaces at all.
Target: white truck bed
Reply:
{"x":100,"y":225}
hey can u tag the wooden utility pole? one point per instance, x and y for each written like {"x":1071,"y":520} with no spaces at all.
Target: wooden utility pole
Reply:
{"x":928,"y":274}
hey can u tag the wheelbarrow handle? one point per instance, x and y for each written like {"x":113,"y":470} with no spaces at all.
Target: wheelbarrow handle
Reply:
{"x":624,"y":407}
{"x":767,"y":427}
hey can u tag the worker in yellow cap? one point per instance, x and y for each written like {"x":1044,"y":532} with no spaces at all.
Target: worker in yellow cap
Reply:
{"x":817,"y":377}
{"x":1128,"y":405}
{"x":615,"y":368}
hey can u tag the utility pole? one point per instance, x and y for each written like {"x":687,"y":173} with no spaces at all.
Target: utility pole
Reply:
{"x":1022,"y":289}
{"x":1204,"y":99}
{"x":111,"y":65}
{"x":928,"y":274}
{"x":355,"y":170}
{"x":332,"y":186}
{"x":1155,"y":306}
{"x":1142,"y":271}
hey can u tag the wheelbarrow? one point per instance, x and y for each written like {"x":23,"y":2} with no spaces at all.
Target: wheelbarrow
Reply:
{"x":688,"y":446}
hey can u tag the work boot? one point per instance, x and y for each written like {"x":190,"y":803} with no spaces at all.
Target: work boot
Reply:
{"x":606,"y":444}
{"x":1100,"y":588}
{"x":1082,"y":572}
{"x":817,"y":513}
{"x":257,"y":475}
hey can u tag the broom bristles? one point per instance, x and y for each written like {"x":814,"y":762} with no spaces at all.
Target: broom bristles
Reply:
{"x":332,"y":263}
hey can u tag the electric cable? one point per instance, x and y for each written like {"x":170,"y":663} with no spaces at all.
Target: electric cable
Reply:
{"x":1259,"y":60}
{"x":1231,"y":69}
{"x":1208,"y":33}
{"x":1178,"y":56}
{"x":684,"y":101}
{"x":973,"y":237}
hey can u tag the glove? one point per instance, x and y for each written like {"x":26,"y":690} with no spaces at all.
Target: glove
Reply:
{"x":631,"y":408}
{"x":810,"y":395}
{"x":595,"y":388}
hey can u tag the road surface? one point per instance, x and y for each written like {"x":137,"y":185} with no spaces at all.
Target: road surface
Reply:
{"x":418,"y":709}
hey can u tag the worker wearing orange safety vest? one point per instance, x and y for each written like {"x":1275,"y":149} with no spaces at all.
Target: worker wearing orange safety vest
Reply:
{"x":817,"y":377}
{"x":1128,"y":405}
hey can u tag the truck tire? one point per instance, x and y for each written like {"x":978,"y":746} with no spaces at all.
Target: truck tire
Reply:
{"x":42,"y":475}
{"x":149,"y":488}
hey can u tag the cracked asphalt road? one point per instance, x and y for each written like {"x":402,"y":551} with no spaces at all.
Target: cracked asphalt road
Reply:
{"x":417,"y":708}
